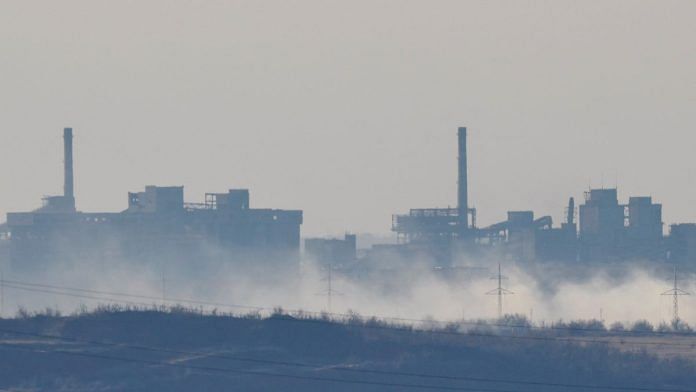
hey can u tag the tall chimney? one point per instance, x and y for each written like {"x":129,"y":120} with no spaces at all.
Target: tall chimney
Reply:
{"x":68,"y":190}
{"x":463,"y":190}
{"x":570,"y":219}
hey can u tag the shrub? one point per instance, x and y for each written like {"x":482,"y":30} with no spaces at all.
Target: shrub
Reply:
{"x":642,"y":326}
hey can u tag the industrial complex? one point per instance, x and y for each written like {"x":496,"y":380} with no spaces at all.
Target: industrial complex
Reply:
{"x":606,"y":231}
{"x":158,"y":222}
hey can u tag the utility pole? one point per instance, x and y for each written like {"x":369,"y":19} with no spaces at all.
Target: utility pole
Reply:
{"x":675,"y":292}
{"x":500,"y":291}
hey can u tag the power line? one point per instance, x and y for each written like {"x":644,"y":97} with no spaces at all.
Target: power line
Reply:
{"x":140,"y":296}
{"x":261,"y":308}
{"x":538,"y":338}
{"x":487,"y":335}
{"x":256,"y":373}
{"x":554,"y":339}
{"x":39,"y":290}
{"x":18,"y":285}
{"x":338,"y":368}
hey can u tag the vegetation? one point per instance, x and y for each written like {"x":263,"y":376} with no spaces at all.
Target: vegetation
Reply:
{"x":194,"y":338}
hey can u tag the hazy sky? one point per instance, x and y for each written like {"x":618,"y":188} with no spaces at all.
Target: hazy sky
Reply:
{"x":349,"y":109}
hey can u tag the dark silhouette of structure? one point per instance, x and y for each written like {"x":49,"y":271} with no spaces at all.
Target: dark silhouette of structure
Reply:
{"x":66,"y":202}
{"x":682,"y":244}
{"x":331,"y":250}
{"x":463,"y":187}
{"x":439,"y":231}
{"x":158,"y":223}
{"x":609,"y":231}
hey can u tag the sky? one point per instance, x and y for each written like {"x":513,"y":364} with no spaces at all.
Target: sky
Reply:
{"x":349,"y":110}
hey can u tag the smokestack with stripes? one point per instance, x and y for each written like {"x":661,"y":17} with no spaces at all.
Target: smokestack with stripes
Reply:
{"x":463,"y":186}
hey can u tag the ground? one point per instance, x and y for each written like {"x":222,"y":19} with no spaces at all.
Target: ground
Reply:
{"x":181,"y":350}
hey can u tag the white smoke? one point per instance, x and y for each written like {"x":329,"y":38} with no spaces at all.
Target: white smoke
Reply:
{"x":414,"y":290}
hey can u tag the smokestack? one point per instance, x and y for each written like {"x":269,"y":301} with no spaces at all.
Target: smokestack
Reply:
{"x":68,"y":191}
{"x":463,"y":190}
{"x":571,"y":211}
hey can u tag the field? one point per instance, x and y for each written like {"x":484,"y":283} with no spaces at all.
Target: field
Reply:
{"x":176,"y":349}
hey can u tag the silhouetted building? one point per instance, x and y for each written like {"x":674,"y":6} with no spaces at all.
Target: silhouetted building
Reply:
{"x":332,"y":250}
{"x":435,"y":231}
{"x":682,"y":244}
{"x":559,"y":244}
{"x":601,"y":225}
{"x":524,"y":238}
{"x":157,"y":224}
{"x":644,"y":233}
{"x":609,"y":230}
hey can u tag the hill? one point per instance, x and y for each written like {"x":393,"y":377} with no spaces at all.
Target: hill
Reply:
{"x":120,"y":349}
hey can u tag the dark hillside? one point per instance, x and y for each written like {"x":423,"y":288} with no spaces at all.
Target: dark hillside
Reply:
{"x":183,"y":351}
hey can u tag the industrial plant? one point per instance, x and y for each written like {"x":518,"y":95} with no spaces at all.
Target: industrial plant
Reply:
{"x":159,"y":222}
{"x":606,"y":231}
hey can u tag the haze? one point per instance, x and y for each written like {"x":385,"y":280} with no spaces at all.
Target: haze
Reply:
{"x":349,"y":110}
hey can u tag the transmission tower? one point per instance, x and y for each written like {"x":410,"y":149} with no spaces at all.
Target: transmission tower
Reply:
{"x":675,"y":292}
{"x":329,"y":292}
{"x":500,"y":291}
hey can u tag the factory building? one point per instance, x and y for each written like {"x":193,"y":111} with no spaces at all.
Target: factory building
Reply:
{"x":157,"y":223}
{"x":520,"y":231}
{"x":332,"y":250}
{"x":439,"y":231}
{"x":644,"y":232}
{"x":559,"y":244}
{"x":608,"y":230}
{"x":612,"y":231}
{"x":601,"y":225}
{"x":682,"y":244}
{"x":525,"y":238}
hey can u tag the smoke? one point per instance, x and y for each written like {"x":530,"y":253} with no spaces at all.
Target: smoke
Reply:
{"x":391,"y":287}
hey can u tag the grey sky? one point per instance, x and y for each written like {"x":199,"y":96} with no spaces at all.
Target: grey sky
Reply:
{"x":347,"y":109}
